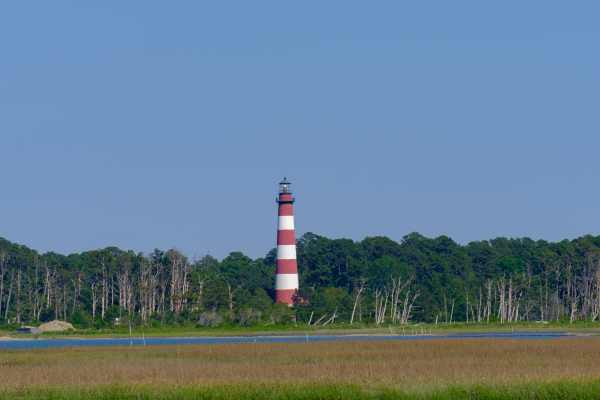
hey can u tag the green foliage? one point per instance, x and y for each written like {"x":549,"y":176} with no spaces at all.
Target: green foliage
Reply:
{"x":449,"y":281}
{"x":326,"y":301}
{"x":81,"y":319}
{"x":281,"y":314}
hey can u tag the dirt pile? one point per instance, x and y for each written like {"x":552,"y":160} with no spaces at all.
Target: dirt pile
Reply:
{"x":56,"y":326}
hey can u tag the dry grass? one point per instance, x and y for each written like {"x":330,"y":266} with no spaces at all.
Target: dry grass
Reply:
{"x":408,"y":365}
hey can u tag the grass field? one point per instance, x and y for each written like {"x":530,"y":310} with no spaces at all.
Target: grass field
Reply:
{"x":561,"y":391}
{"x":442,"y":369}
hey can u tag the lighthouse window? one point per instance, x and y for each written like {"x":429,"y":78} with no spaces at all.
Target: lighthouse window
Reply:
{"x":284,"y":186}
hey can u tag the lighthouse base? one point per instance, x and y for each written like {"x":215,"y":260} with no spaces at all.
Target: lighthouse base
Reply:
{"x":286,"y":296}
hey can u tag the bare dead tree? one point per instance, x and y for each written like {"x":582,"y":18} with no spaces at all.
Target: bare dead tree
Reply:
{"x":332,"y":319}
{"x":357,"y":299}
{"x":381,"y":301}
{"x":179,"y":280}
{"x":467,"y":304}
{"x":3,"y":261}
{"x":409,"y":301}
{"x":18,"y":297}
{"x":9,"y":295}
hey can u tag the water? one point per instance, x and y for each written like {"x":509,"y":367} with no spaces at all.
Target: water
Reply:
{"x":91,"y":342}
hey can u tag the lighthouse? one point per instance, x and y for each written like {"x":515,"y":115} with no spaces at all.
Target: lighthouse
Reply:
{"x":286,"y":278}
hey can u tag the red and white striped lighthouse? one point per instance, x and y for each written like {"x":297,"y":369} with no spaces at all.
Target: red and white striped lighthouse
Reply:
{"x":286,"y":279}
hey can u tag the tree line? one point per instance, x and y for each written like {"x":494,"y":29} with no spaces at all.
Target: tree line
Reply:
{"x":373,"y":281}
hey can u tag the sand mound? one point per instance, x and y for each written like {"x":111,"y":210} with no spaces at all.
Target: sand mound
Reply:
{"x":56,"y":326}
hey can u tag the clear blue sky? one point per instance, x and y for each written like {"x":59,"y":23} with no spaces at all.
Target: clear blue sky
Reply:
{"x":160,"y":124}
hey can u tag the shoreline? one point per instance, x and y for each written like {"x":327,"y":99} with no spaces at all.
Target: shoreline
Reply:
{"x":316,"y":337}
{"x":413,"y":330}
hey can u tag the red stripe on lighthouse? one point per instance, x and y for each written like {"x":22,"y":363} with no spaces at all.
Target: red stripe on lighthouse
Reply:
{"x":286,"y":208}
{"x":286,"y":237}
{"x":286,"y":197}
{"x":287,"y":267}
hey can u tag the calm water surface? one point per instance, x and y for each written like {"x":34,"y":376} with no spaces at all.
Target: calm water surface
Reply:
{"x":77,"y":342}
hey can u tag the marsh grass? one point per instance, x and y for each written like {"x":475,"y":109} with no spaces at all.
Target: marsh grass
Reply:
{"x":441,"y":369}
{"x":566,"y":390}
{"x":409,"y":364}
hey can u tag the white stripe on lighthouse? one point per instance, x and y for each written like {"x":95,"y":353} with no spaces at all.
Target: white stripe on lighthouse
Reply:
{"x":286,"y":222}
{"x":286,"y":281}
{"x":286,"y":252}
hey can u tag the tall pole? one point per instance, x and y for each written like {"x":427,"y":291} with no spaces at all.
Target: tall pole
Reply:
{"x":286,"y":278}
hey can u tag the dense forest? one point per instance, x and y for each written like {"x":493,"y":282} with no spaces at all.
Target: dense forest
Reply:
{"x":374,"y":281}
